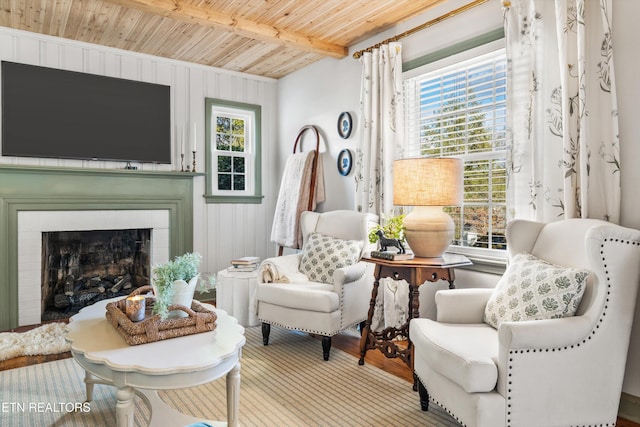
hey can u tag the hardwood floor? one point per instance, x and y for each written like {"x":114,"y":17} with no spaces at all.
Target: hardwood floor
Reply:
{"x":345,"y":342}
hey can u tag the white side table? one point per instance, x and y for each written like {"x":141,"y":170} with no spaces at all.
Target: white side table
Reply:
{"x":236,"y":294}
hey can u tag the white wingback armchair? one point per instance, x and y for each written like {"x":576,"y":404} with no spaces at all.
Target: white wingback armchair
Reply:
{"x":553,"y":372}
{"x":324,"y":289}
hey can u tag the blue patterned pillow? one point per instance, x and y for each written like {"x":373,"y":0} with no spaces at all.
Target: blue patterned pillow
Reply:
{"x":322,"y":255}
{"x":533,"y":289}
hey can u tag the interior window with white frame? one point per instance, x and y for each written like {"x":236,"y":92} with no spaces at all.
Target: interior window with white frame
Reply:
{"x":233,"y":151}
{"x":456,"y":107}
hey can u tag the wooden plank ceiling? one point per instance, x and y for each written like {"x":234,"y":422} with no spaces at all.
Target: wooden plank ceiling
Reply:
{"x":269,"y":38}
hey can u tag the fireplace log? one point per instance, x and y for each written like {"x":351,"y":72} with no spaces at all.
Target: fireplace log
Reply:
{"x":81,"y":297}
{"x":126,"y":279}
{"x":61,"y":301}
{"x":69,"y":283}
{"x":58,"y":288}
{"x":105,"y":284}
{"x":93,"y":282}
{"x":77,"y":285}
{"x":141,"y":280}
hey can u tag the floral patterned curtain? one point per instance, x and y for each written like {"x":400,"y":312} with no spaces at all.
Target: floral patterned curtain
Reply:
{"x":563,"y":160}
{"x":382,"y":128}
{"x":381,"y":142}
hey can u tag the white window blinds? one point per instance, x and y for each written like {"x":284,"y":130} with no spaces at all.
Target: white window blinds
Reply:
{"x":458,"y":110}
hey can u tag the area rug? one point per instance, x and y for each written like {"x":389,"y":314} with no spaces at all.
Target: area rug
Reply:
{"x":45,"y":339}
{"x":283,"y":384}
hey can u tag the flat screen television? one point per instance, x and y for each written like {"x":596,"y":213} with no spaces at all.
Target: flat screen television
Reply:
{"x":54,"y":113}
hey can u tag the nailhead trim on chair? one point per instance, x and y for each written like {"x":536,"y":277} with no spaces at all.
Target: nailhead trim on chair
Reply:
{"x":444,"y":408}
{"x":447,"y":411}
{"x":318,"y":332}
{"x":584,"y":341}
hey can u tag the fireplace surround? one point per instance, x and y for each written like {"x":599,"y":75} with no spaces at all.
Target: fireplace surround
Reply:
{"x":49,"y":189}
{"x":34,"y":228}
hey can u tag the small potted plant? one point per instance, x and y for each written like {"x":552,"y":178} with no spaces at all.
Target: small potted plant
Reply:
{"x":175,"y":281}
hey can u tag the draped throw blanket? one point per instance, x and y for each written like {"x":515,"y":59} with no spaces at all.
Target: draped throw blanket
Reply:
{"x":285,"y":270}
{"x":293,"y":198}
{"x":269,"y":273}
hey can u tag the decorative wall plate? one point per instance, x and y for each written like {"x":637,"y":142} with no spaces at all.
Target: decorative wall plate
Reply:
{"x":344,"y":125}
{"x":345,"y":161}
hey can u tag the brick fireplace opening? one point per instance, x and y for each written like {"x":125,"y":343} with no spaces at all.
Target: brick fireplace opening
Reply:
{"x":94,"y":255}
{"x":80,"y":268}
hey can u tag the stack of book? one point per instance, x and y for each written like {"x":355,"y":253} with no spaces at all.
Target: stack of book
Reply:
{"x":246,"y":263}
{"x":392,"y":256}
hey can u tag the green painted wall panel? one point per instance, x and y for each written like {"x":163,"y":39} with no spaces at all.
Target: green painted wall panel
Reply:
{"x":31,"y":188}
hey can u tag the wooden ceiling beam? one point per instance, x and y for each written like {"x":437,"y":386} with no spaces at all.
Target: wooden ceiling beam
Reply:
{"x":177,"y":9}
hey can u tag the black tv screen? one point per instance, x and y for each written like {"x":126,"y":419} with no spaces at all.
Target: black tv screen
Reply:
{"x":48,"y":112}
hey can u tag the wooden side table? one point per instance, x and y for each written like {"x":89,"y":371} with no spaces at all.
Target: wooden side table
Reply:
{"x":416,"y":272}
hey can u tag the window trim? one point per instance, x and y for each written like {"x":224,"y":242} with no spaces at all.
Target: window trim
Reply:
{"x":256,"y":111}
{"x":467,"y":48}
{"x":491,"y":261}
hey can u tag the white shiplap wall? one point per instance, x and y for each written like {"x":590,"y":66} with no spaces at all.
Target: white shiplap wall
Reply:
{"x":221,"y":231}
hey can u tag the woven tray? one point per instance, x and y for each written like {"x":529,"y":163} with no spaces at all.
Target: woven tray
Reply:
{"x":152,"y":329}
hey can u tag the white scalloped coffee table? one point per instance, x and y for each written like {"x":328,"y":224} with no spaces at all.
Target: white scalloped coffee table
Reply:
{"x":169,"y":364}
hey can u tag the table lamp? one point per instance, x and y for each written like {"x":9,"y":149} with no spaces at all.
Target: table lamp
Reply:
{"x":428,"y":184}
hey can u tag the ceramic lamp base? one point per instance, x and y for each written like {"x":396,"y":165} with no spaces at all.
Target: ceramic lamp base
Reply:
{"x":429,"y":231}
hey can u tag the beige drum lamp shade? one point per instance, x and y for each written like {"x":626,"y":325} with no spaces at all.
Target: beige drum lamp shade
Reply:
{"x":428,"y":184}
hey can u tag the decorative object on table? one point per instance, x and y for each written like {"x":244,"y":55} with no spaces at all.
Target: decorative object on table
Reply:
{"x":385,"y":242}
{"x":174,"y":282}
{"x":344,"y":125}
{"x":392,"y":256}
{"x":135,"y":307}
{"x":428,"y":184}
{"x":197,"y":319}
{"x":345,"y":162}
{"x":247,"y":263}
{"x":245,"y":260}
{"x":243,"y":268}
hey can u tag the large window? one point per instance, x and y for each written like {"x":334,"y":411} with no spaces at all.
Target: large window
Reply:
{"x":233,"y":152}
{"x":456,"y":108}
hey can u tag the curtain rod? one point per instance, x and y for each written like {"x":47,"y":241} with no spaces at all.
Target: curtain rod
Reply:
{"x":427,"y":24}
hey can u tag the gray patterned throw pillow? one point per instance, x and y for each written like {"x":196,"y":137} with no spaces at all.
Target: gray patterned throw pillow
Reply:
{"x":322,"y":255}
{"x":533,"y":289}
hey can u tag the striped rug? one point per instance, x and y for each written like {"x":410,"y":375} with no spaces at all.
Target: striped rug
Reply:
{"x":284,"y":384}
